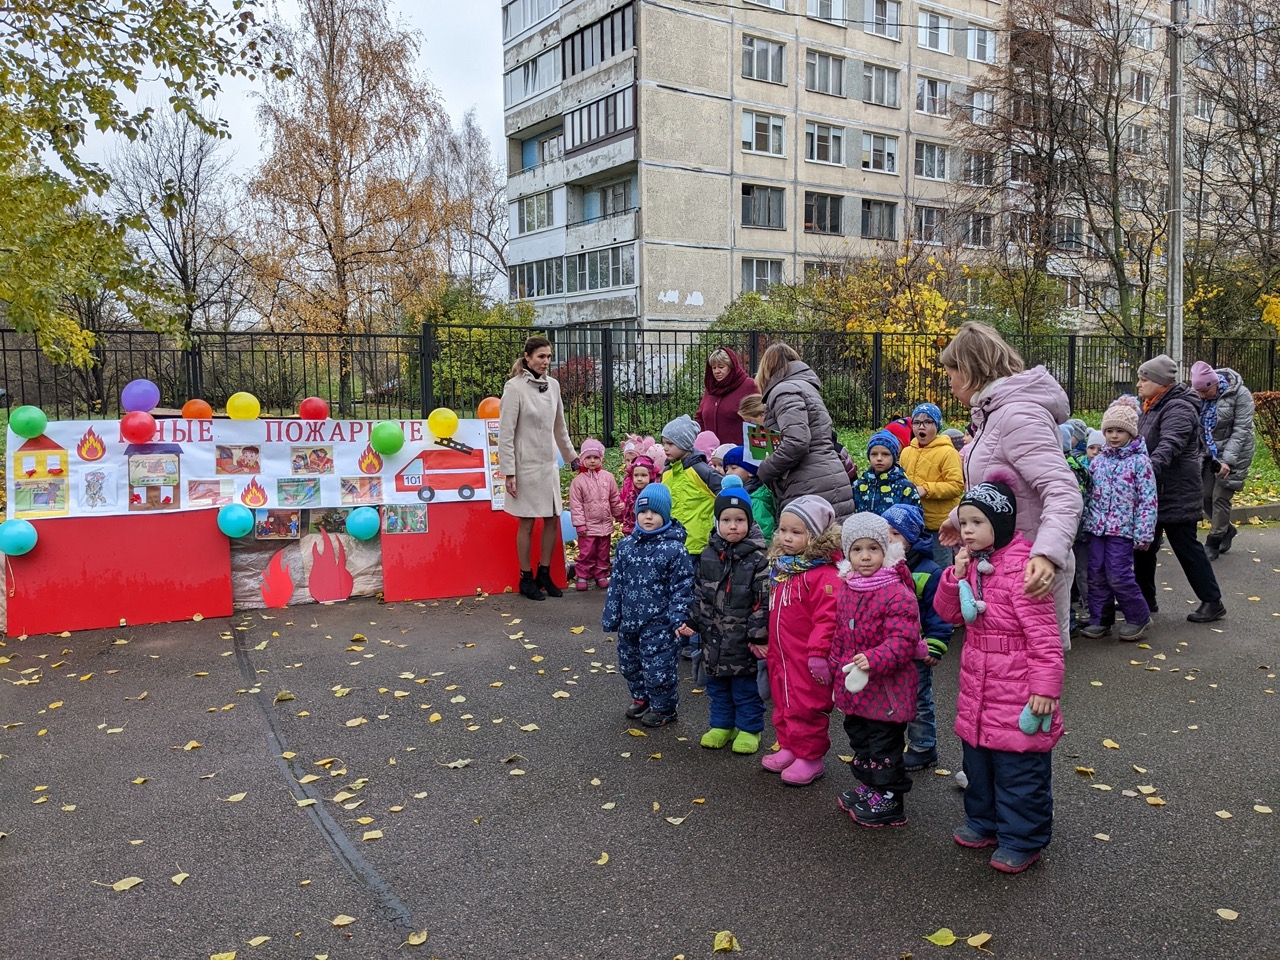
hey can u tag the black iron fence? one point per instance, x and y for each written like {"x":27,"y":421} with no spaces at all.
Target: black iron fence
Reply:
{"x":614,"y":380}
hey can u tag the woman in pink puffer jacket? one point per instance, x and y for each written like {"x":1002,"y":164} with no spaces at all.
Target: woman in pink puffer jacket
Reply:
{"x":1011,"y":669}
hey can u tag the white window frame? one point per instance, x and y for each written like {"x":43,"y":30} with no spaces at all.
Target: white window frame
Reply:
{"x":776,"y":133}
{"x":875,"y":78}
{"x":982,"y":45}
{"x":767,"y":52}
{"x":535,"y":212}
{"x":1014,"y":157}
{"x":1137,"y":139}
{"x":1203,"y":109}
{"x":884,"y":18}
{"x":1142,"y":33}
{"x":1141,"y":86}
{"x":931,"y":160}
{"x":938,"y":99}
{"x":520,"y":15}
{"x":775,"y":4}
{"x":821,"y":69}
{"x":975,"y":161}
{"x":880,"y":153}
{"x":815,"y":134}
{"x":928,"y":224}
{"x":759,"y":274}
{"x":984,"y":224}
{"x":982,"y":115}
{"x":604,"y":269}
{"x":934,"y":32}
{"x":878,"y":209}
{"x":829,"y":10}
{"x":536,"y":75}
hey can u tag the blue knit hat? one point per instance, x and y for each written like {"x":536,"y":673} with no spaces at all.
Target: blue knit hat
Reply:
{"x":733,"y":494}
{"x":737,"y":457}
{"x":930,"y":410}
{"x":883,"y":438}
{"x":655,"y":497}
{"x":907,"y":519}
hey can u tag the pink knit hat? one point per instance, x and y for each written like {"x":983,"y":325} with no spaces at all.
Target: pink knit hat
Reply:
{"x":1203,"y":376}
{"x":591,"y":448}
{"x":706,"y":443}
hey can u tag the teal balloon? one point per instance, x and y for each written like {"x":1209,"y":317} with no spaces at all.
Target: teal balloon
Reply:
{"x":387,"y":437}
{"x":28,"y":421}
{"x":568,"y":533}
{"x":235,"y":520}
{"x":363,"y":522}
{"x":17,"y":536}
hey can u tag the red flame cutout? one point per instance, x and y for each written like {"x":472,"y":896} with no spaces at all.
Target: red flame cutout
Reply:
{"x":90,"y":447}
{"x":370,"y":461}
{"x":277,"y":583}
{"x":330,"y":580}
{"x":254,"y":495}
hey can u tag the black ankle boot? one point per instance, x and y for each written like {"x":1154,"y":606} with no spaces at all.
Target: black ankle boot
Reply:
{"x":529,"y":586}
{"x":543,"y":580}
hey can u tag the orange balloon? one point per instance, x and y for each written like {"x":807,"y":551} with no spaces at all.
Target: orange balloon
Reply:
{"x":197,"y":410}
{"x":490,"y":408}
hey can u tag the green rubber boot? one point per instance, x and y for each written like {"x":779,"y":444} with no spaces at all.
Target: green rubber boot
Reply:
{"x":717,"y":737}
{"x":746,"y":742}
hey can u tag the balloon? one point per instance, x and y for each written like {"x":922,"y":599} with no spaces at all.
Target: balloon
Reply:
{"x":567,"y":531}
{"x":387,"y":437}
{"x":243,"y":406}
{"x":140,"y":395}
{"x":490,"y":408}
{"x":28,"y":421}
{"x":235,"y":520}
{"x":313,"y":408}
{"x":138,"y":427}
{"x":197,"y":410}
{"x":363,"y":523}
{"x":17,"y":537}
{"x":442,"y":422}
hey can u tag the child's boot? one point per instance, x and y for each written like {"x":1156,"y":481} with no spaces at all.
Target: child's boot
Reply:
{"x":717,"y":737}
{"x":777,"y":762}
{"x":801,"y":773}
{"x":746,"y":742}
{"x":655,"y":719}
{"x":546,"y":584}
{"x":850,"y":798}
{"x":880,"y":810}
{"x":637,"y":709}
{"x":602,"y":583}
{"x":529,"y":586}
{"x":583,"y":583}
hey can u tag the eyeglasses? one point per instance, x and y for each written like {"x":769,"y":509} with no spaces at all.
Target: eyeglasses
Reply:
{"x":921,"y":423}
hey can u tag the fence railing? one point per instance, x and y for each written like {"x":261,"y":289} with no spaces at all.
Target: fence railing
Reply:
{"x":613,"y":380}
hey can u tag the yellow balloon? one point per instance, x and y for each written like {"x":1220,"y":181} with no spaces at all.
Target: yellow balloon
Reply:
{"x":442,"y":422}
{"x":243,"y":406}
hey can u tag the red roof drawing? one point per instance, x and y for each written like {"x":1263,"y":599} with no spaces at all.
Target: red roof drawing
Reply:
{"x":41,"y":442}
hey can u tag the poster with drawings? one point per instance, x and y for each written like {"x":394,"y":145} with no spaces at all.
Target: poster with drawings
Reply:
{"x":497,"y":482}
{"x":96,"y":489}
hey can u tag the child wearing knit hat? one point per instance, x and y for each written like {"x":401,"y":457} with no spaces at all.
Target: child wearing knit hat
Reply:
{"x":883,"y":482}
{"x":594,"y":503}
{"x":932,"y":463}
{"x":737,"y":465}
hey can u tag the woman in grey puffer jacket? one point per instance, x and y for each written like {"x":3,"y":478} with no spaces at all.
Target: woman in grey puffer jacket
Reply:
{"x":804,"y":461}
{"x":1227,"y":402}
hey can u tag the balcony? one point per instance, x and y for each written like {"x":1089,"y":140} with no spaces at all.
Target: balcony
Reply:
{"x":601,"y":231}
{"x":535,"y":179}
{"x":593,"y":161}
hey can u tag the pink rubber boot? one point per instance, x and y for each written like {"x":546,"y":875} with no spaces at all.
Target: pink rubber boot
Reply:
{"x":777,"y":762}
{"x":801,"y":773}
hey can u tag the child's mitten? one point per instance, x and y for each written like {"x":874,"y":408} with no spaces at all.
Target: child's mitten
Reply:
{"x":820,"y":670}
{"x":970,"y":606}
{"x":854,"y":678}
{"x":1029,"y":723}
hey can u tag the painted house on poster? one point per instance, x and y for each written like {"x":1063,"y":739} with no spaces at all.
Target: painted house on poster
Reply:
{"x":41,"y":458}
{"x":155,"y":476}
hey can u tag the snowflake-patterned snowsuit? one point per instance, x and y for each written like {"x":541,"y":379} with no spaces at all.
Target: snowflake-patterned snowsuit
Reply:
{"x":874,"y":492}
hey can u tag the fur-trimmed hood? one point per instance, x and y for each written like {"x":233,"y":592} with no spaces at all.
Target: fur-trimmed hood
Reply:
{"x":827,"y":544}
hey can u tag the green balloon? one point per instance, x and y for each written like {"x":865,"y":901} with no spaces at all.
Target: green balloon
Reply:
{"x":387,"y":437}
{"x":28,"y":421}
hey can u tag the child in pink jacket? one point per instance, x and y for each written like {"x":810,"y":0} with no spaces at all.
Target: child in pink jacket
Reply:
{"x":594,"y":504}
{"x":1010,"y":681}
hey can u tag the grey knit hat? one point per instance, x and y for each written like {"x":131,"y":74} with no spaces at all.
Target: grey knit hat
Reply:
{"x":682,"y":431}
{"x":1162,"y":370}
{"x":814,"y":512}
{"x":862,"y":525}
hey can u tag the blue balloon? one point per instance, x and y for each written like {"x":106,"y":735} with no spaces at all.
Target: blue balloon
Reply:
{"x":363,"y":523}
{"x":235,"y":520}
{"x":567,"y":532}
{"x":17,"y":537}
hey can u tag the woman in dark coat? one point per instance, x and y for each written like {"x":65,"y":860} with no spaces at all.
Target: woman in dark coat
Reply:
{"x":1170,"y":424}
{"x":727,"y":382}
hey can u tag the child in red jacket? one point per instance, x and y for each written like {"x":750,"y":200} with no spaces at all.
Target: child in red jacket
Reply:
{"x":1010,"y":681}
{"x":876,"y":644}
{"x":594,"y":504}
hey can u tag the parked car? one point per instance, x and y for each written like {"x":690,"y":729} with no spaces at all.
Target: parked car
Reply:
{"x":388,"y":390}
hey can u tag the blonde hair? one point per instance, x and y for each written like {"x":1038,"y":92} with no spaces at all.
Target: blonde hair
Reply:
{"x":751,"y":407}
{"x":531,"y":346}
{"x":719,"y":358}
{"x":773,"y":365}
{"x":981,"y":355}
{"x":825,"y":544}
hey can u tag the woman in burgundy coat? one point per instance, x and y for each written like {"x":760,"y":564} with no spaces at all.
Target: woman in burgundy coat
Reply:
{"x":727,"y":382}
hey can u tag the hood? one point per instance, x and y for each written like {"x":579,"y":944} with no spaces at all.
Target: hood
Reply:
{"x":1178,"y":392}
{"x":692,"y":458}
{"x":1234,"y":380}
{"x":736,"y":378}
{"x":941,"y":440}
{"x":1035,"y":386}
{"x":826,"y":544}
{"x":798,"y":372}
{"x":671,"y":530}
{"x":1130,"y":449}
{"x":754,"y":542}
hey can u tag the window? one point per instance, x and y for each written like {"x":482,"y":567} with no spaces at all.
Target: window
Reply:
{"x":534,"y":213}
{"x":979,"y":168}
{"x":1068,"y":233}
{"x":978,"y":228}
{"x":982,"y":107}
{"x":552,"y":147}
{"x":826,"y":9}
{"x":931,"y":95}
{"x":824,"y":73}
{"x":762,"y":206}
{"x":880,"y":85}
{"x":600,"y":119}
{"x":931,"y":161}
{"x":935,"y":32}
{"x":1072,"y":291}
{"x":761,"y":59}
{"x":1134,"y":194}
{"x":600,"y":269}
{"x":884,"y":18}
{"x":879,"y":153}
{"x":823,"y":143}
{"x":1137,"y":138}
{"x":927,"y":224}
{"x":1140,"y":87}
{"x":776,"y":4}
{"x":824,"y":269}
{"x":532,"y":77}
{"x":1204,"y":106}
{"x":615,"y":198}
{"x":1101,"y":296}
{"x":763,"y":133}
{"x":759,"y":275}
{"x":539,"y":278}
{"x":821,"y":213}
{"x":603,"y":40}
{"x":1021,"y":229}
{"x":982,"y":45}
{"x":1142,"y":34}
{"x":519,"y":15}
{"x":878,"y":217}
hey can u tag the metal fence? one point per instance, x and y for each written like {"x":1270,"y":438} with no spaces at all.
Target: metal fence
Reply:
{"x":614,"y":380}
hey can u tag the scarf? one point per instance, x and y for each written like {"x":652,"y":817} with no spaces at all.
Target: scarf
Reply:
{"x":735,"y":378}
{"x":1148,"y":404}
{"x":1209,"y":417}
{"x":785,"y":567}
{"x":884,"y":577}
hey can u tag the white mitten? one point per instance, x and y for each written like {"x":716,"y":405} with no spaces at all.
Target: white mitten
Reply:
{"x":854,"y":678}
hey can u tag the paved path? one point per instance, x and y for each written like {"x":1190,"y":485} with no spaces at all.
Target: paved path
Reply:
{"x":496,"y":865}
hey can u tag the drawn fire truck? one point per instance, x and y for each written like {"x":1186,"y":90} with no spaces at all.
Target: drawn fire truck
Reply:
{"x":457,"y":467}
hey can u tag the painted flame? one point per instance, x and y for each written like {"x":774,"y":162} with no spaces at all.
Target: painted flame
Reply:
{"x":254,"y":495}
{"x":330,"y":579}
{"x":90,"y":447}
{"x":277,"y":583}
{"x":370,"y":461}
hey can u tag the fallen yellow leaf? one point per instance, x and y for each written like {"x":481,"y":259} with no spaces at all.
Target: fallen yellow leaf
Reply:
{"x":126,"y":884}
{"x":1259,"y":808}
{"x":234,"y":798}
{"x":258,"y":941}
{"x":560,"y":695}
{"x":1110,"y":744}
{"x":576,"y":630}
{"x":530,"y":727}
{"x":372,"y":835}
{"x":726,"y":942}
{"x":1226,"y":914}
{"x":942,"y":938}
{"x":1222,"y":814}
{"x":979,"y":940}
{"x":177,"y":878}
{"x":636,"y":733}
{"x":604,"y":858}
{"x":417,"y":938}
{"x":342,"y":920}
{"x":229,"y":955}
{"x":1146,"y":789}
{"x":1102,"y":836}
{"x":191,"y":745}
{"x":1155,"y":801}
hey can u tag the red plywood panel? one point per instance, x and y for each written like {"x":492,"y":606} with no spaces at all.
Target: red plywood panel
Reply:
{"x":467,"y":545}
{"x":88,"y":573}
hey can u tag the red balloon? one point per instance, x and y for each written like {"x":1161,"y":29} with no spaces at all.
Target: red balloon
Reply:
{"x":138,"y":427}
{"x":313,"y":408}
{"x":490,"y":408}
{"x":197,"y":410}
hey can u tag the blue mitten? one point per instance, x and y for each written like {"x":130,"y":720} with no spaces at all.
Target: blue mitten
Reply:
{"x":970,"y":606}
{"x":1029,"y":722}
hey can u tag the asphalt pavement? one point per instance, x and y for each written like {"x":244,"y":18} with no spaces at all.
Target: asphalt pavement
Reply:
{"x":470,"y":769}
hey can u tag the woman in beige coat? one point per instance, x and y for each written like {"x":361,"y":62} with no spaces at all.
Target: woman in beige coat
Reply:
{"x":532,"y":427}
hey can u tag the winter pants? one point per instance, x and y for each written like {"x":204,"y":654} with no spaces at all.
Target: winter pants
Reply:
{"x":922,"y":732}
{"x":1010,"y":797}
{"x":801,"y":708}
{"x":648,"y":662}
{"x":877,"y":753}
{"x":735,"y":703}
{"x":1217,"y":504}
{"x":1191,"y":556}
{"x":593,"y":558}
{"x":942,"y":556}
{"x":1111,"y":574}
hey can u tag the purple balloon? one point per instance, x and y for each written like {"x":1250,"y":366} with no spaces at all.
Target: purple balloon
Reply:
{"x":140,"y":395}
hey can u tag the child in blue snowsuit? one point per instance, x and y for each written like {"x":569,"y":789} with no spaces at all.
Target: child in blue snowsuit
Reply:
{"x":648,"y":598}
{"x":884,"y":482}
{"x":906,"y":526}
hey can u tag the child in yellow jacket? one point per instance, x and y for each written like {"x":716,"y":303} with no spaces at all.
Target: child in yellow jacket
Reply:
{"x":932,"y":463}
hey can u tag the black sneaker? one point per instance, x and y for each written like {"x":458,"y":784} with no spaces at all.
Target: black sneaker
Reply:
{"x":880,"y":810}
{"x":544,"y":582}
{"x":1227,"y":538}
{"x":913,"y":761}
{"x":637,"y":709}
{"x":851,"y":798}
{"x":1212,"y":549}
{"x":529,"y":587}
{"x":655,"y":719}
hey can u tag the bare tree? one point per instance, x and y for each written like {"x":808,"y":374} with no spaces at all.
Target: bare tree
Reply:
{"x":475,"y":185}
